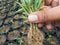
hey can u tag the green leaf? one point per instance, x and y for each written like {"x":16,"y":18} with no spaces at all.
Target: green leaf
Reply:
{"x":23,"y":7}
{"x":29,"y":2}
{"x":19,"y":39}
{"x":0,"y":0}
{"x":23,"y":17}
{"x":29,"y":6}
{"x":35,"y":4}
{"x":43,"y":7}
{"x":20,"y":10}
{"x":39,"y":3}
{"x":50,"y":36}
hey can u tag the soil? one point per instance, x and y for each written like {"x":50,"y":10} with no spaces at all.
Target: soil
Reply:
{"x":24,"y":29}
{"x":9,"y":1}
{"x":2,"y":16}
{"x":8,"y":20}
{"x":16,"y":24}
{"x":24,"y":38}
{"x":4,"y":9}
{"x":2,"y":39}
{"x":4,"y":29}
{"x":35,"y":37}
{"x":14,"y":34}
{"x":10,"y":13}
{"x":1,"y":21}
{"x":17,"y":16}
{"x":52,"y":41}
{"x":11,"y":44}
{"x":58,"y":33}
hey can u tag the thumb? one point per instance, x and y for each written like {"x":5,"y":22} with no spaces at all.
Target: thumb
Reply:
{"x":39,"y":16}
{"x":45,"y":15}
{"x":36,"y":17}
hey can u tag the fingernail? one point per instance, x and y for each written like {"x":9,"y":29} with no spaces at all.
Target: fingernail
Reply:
{"x":32,"y":18}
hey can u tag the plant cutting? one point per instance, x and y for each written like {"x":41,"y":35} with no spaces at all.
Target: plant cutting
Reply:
{"x":35,"y":36}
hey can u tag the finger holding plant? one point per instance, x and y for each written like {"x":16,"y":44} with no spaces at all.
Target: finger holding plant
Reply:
{"x":35,"y":37}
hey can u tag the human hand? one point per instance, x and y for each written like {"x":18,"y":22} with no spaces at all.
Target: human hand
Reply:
{"x":41,"y":18}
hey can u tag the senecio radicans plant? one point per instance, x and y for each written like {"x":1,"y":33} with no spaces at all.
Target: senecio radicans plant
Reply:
{"x":35,"y":36}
